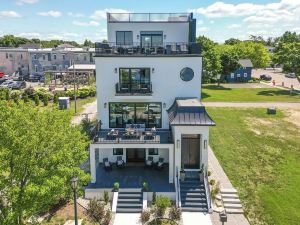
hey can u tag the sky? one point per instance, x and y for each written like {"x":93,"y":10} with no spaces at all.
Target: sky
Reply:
{"x":86,"y":19}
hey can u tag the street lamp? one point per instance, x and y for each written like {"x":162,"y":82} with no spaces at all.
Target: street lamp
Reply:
{"x":74,"y":183}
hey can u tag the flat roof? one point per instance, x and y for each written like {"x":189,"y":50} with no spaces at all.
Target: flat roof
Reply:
{"x":83,"y":67}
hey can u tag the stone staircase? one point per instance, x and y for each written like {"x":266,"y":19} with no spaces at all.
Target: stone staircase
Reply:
{"x":192,"y":194}
{"x":231,"y":201}
{"x":130,"y":201}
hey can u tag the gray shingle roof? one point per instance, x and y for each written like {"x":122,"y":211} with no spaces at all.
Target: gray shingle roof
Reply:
{"x":245,"y":63}
{"x":189,"y":112}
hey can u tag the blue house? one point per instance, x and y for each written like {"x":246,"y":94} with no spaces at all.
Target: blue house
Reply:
{"x":243,"y":74}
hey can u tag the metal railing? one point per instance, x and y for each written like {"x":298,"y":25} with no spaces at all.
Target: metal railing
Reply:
{"x":138,"y":48}
{"x":207,"y":192}
{"x":134,"y":88}
{"x":177,"y":189}
{"x":149,"y":17}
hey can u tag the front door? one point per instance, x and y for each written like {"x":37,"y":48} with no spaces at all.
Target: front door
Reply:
{"x":135,"y":154}
{"x":190,"y":151}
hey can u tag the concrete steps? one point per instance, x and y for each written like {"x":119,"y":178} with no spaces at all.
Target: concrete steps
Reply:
{"x":130,"y":201}
{"x":231,"y":201}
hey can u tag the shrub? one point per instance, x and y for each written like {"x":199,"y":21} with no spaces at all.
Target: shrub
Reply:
{"x":215,"y":190}
{"x":116,"y":186}
{"x":25,"y":98}
{"x":153,"y":197}
{"x":159,"y":212}
{"x":55,"y":98}
{"x":145,"y":186}
{"x":145,"y":216}
{"x":175,"y":213}
{"x":209,"y":173}
{"x":36,"y":99}
{"x":107,"y":218}
{"x":162,"y":203}
{"x":105,"y":197}
{"x":4,"y":94}
{"x":212,"y":182}
{"x":15,"y":95}
{"x":45,"y":100}
{"x":30,"y":92}
{"x":95,"y":210}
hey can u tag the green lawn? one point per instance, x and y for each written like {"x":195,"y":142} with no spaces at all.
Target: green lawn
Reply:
{"x":81,"y":103}
{"x":213,"y":93}
{"x":260,"y":153}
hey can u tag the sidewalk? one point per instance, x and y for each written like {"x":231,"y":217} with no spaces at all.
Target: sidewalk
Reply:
{"x":219,"y":175}
{"x":127,"y":219}
{"x":90,"y":109}
{"x":192,"y":218}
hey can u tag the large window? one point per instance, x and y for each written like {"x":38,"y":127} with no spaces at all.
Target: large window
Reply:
{"x":121,"y":114}
{"x":134,"y":76}
{"x":151,"y":38}
{"x":124,"y":38}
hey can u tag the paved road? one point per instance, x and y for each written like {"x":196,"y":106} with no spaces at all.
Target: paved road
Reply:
{"x":278,"y":77}
{"x":90,"y":109}
{"x":253,"y":104}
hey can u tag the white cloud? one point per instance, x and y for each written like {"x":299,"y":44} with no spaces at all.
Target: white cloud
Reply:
{"x":11,"y":14}
{"x":76,"y":15}
{"x":86,"y":24}
{"x":200,"y":22}
{"x":101,"y":14}
{"x":234,"y":26}
{"x":30,"y":35}
{"x":50,"y":13}
{"x":203,"y":29}
{"x":22,"y":2}
{"x":211,"y":22}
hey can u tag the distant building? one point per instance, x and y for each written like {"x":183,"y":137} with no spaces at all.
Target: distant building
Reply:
{"x":243,"y":74}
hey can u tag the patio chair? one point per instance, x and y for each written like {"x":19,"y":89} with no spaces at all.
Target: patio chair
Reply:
{"x":160,"y":164}
{"x":120,"y":162}
{"x":107,"y":164}
{"x":149,"y":162}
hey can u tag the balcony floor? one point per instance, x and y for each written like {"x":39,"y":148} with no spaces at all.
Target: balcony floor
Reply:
{"x":133,"y":177}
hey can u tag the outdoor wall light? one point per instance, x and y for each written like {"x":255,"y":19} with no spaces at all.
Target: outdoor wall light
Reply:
{"x":105,"y":104}
{"x":138,"y":37}
{"x":116,"y":70}
{"x":153,"y":70}
{"x":205,"y":144}
{"x":178,"y":143}
{"x":164,"y":105}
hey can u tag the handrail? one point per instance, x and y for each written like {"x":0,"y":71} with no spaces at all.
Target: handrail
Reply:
{"x":207,"y":192}
{"x":178,"y":188}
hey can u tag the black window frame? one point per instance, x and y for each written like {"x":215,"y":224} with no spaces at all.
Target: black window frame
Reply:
{"x":116,"y":151}
{"x":135,"y":117}
{"x":155,"y":151}
{"x":130,"y":78}
{"x":124,"y":42}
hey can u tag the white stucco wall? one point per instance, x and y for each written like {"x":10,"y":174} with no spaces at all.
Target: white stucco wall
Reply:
{"x":175,"y":32}
{"x":166,"y":81}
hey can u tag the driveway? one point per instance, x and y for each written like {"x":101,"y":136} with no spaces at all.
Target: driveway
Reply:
{"x":278,"y":76}
{"x":90,"y":110}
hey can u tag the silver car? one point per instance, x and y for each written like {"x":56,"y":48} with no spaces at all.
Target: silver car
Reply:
{"x":290,"y":75}
{"x":7,"y":84}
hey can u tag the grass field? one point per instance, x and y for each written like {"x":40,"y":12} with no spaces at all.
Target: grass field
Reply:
{"x":260,"y":153}
{"x":213,"y":93}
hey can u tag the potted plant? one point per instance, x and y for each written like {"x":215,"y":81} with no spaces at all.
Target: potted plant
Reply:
{"x":182,"y":173}
{"x":201,"y":172}
{"x":145,"y":186}
{"x":116,"y":186}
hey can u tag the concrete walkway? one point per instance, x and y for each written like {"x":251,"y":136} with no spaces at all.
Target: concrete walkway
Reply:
{"x":219,"y":175}
{"x":127,"y":219}
{"x":192,"y":218}
{"x":90,"y":109}
{"x":253,"y":104}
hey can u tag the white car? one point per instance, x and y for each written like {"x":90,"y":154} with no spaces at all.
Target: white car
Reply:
{"x":7,"y":84}
{"x":290,"y":75}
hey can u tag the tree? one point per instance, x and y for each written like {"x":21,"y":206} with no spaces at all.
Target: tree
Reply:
{"x":229,"y":59}
{"x":39,"y":153}
{"x":211,"y":59}
{"x":88,"y":43}
{"x":232,"y":41}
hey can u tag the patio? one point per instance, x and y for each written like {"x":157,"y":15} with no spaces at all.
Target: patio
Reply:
{"x":133,"y":177}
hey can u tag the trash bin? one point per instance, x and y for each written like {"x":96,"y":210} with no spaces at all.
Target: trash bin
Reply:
{"x":63,"y":103}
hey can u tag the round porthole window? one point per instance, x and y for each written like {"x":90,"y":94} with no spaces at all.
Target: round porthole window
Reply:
{"x":186,"y":74}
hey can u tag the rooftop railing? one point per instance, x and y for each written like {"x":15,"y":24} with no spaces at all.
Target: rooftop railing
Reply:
{"x":149,"y":17}
{"x":134,"y":88}
{"x":137,"y":48}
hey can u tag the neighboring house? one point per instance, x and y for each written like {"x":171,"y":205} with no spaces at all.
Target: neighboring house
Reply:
{"x":243,"y":74}
{"x":14,"y":61}
{"x":149,"y":110}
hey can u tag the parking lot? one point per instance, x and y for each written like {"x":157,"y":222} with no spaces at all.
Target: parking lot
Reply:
{"x":278,"y":76}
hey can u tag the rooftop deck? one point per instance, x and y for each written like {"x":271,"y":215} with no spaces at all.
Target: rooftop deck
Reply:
{"x":161,"y":137}
{"x":133,"y":177}
{"x":149,"y":17}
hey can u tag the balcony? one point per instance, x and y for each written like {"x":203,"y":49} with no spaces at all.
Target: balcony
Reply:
{"x":149,"y":17}
{"x":139,"y":49}
{"x":133,"y":89}
{"x":160,"y":137}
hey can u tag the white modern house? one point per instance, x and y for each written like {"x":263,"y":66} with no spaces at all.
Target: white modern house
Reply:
{"x":153,"y":127}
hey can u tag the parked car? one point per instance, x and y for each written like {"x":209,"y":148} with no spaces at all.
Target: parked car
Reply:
{"x":2,"y":74}
{"x":2,"y":80}
{"x":265,"y":77}
{"x":7,"y":84}
{"x":35,"y":78}
{"x":290,"y":75}
{"x":18,"y":85}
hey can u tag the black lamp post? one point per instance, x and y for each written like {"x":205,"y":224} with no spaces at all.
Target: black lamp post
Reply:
{"x":74,"y":183}
{"x":223,"y":217}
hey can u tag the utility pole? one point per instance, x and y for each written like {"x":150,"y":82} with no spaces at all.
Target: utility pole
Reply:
{"x":74,"y":77}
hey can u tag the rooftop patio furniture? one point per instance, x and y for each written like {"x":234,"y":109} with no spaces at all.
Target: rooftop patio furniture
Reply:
{"x":107,"y":164}
{"x":160,"y":164}
{"x":149,"y":162}
{"x":120,"y":162}
{"x":150,"y":135}
{"x":112,"y":135}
